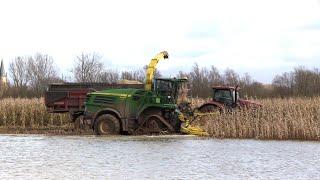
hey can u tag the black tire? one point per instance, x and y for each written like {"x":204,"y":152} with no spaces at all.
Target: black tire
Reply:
{"x":77,"y":123}
{"x":209,"y":109}
{"x":107,"y":124}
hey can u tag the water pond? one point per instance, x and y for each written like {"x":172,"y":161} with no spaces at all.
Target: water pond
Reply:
{"x":155,"y":157}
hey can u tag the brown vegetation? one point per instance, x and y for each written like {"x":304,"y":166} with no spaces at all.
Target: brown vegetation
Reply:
{"x":294,"y":118}
{"x":30,"y":116}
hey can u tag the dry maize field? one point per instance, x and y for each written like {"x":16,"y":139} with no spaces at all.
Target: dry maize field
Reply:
{"x":30,"y":116}
{"x":281,"y":119}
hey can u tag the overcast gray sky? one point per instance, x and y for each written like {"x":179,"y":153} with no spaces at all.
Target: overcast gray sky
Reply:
{"x":262,"y":37}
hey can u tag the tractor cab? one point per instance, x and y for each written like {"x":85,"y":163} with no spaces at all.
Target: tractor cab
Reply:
{"x":171,"y":89}
{"x":228,"y":96}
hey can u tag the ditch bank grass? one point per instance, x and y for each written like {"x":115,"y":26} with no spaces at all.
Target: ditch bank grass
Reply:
{"x":278,"y":119}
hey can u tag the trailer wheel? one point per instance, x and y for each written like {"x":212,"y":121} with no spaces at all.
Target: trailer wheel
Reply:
{"x":107,"y":124}
{"x":78,"y":122}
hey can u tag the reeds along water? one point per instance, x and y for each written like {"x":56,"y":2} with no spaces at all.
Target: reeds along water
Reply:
{"x":295,"y":118}
{"x":29,"y":114}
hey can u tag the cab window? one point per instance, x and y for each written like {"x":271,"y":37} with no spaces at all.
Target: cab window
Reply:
{"x":223,"y":96}
{"x":164,"y":85}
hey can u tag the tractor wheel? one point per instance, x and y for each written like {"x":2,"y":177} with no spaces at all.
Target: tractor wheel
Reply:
{"x":107,"y":124}
{"x":209,"y":109}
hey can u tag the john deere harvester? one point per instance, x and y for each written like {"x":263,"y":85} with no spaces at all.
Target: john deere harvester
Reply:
{"x":138,"y":111}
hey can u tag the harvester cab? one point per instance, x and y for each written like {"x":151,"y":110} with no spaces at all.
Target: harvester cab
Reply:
{"x":171,"y":89}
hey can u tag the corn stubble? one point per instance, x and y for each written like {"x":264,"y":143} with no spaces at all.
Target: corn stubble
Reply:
{"x":280,"y":119}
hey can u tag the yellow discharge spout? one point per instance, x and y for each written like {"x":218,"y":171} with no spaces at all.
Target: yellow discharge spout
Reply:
{"x":152,"y":68}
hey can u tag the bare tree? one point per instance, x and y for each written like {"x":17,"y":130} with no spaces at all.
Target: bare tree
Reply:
{"x":231,"y":77}
{"x":199,"y":81}
{"x":137,"y":75}
{"x":109,"y":76}
{"x":283,"y":84}
{"x":214,"y":76}
{"x":88,"y":67}
{"x":18,"y":69}
{"x":41,"y":71}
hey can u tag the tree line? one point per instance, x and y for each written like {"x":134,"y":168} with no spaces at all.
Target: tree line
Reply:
{"x":301,"y":82}
{"x":30,"y":75}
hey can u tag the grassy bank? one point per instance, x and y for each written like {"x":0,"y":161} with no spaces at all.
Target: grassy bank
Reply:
{"x":280,"y":119}
{"x":296,"y":118}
